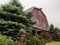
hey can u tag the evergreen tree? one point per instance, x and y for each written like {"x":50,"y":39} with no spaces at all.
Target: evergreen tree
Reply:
{"x":51,"y":28}
{"x":56,"y":31}
{"x":12,"y":18}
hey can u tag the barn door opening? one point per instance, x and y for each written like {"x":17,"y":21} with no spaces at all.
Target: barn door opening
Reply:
{"x":34,"y":32}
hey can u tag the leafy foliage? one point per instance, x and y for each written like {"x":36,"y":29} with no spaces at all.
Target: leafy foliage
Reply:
{"x":4,"y":40}
{"x":56,"y":31}
{"x":12,"y":18}
{"x":34,"y":40}
{"x":51,"y":27}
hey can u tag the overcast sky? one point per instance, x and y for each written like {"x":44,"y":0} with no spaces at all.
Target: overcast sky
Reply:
{"x":51,"y":8}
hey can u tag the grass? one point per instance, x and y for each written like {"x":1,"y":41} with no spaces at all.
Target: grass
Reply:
{"x":53,"y":43}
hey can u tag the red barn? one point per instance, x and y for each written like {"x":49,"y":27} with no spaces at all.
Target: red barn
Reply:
{"x":40,"y":18}
{"x":41,"y":27}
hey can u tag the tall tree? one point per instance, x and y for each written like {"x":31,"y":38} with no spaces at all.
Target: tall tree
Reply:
{"x":51,"y":28}
{"x":12,"y":18}
{"x":56,"y":31}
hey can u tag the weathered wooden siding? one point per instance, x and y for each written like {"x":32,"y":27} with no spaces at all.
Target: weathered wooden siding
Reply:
{"x":40,"y":19}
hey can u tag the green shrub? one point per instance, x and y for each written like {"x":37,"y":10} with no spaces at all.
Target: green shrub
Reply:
{"x":48,"y":40}
{"x":4,"y":40}
{"x":34,"y":40}
{"x":57,"y":37}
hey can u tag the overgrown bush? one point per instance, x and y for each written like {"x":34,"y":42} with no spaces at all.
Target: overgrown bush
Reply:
{"x":58,"y":37}
{"x":4,"y":40}
{"x":34,"y":40}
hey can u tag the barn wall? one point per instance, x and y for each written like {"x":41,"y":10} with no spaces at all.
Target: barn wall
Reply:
{"x":40,"y":19}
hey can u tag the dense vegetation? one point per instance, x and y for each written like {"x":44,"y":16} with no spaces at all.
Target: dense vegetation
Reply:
{"x":36,"y":40}
{"x":56,"y":31}
{"x":5,"y":40}
{"x":12,"y":18}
